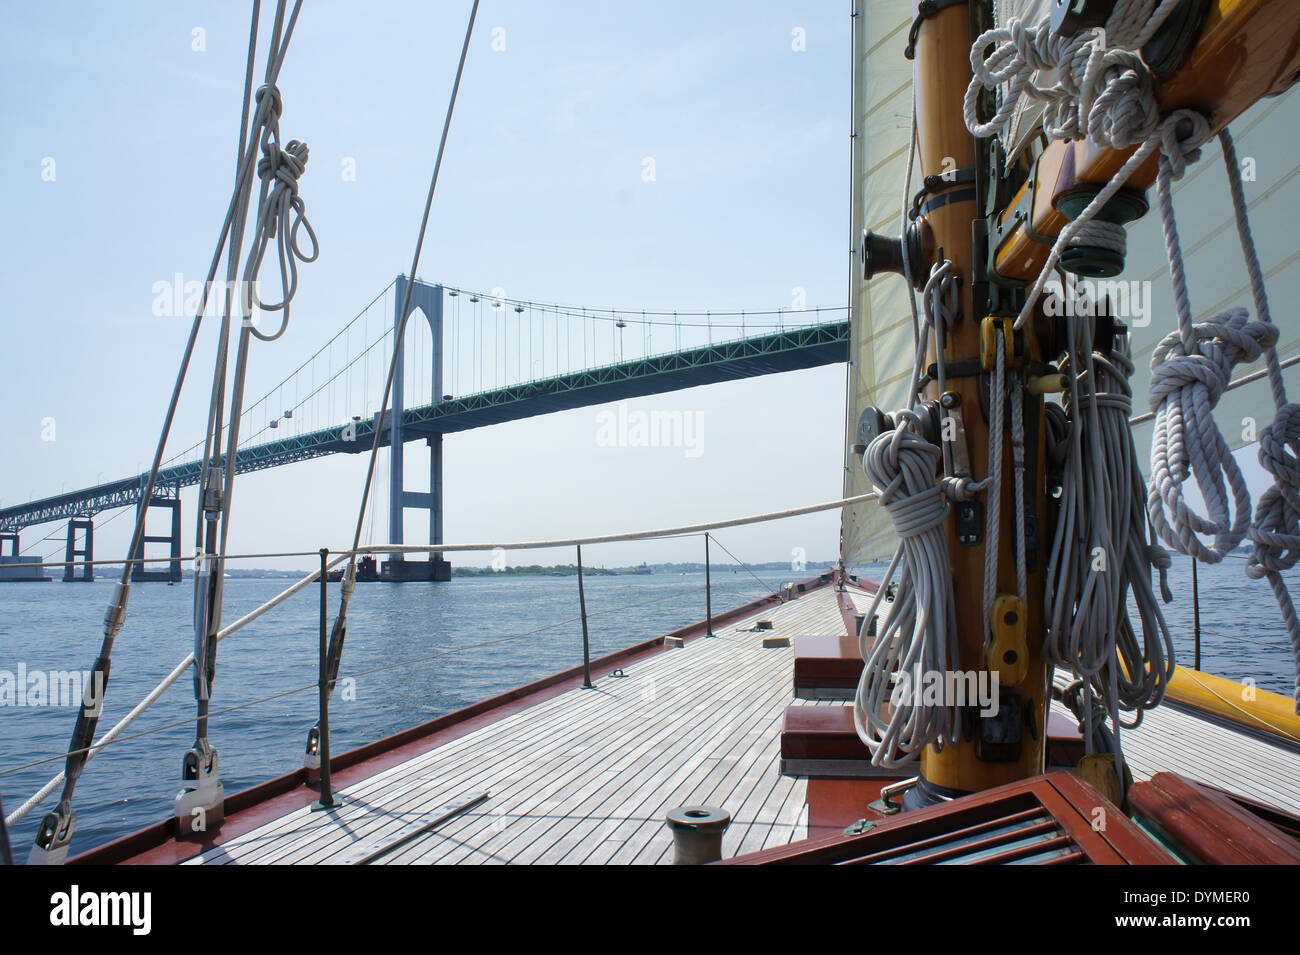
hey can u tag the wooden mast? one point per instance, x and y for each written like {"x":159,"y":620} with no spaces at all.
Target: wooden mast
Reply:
{"x":942,"y":74}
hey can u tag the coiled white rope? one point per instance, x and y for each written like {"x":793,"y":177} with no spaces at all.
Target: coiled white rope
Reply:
{"x":919,"y":636}
{"x":1100,"y":90}
{"x":1100,"y":552}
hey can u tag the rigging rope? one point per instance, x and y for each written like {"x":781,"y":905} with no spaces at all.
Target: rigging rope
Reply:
{"x":1191,"y":368}
{"x":919,"y":634}
{"x":279,"y":171}
{"x":57,"y":828}
{"x":1103,"y":91}
{"x":338,"y":633}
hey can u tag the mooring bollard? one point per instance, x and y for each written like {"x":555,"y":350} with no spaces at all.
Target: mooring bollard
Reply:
{"x":697,"y":834}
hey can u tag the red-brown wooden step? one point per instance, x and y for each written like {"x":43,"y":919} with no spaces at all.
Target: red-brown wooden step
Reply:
{"x":826,"y":666}
{"x":1064,"y":741}
{"x":821,"y":741}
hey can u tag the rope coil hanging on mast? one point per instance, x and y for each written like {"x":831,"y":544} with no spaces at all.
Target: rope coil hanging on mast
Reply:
{"x":1100,"y":551}
{"x":919,"y":633}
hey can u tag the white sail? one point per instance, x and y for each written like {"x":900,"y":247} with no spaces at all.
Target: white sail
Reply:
{"x":881,"y":349}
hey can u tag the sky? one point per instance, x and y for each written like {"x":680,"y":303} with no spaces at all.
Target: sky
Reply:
{"x":122,"y":125}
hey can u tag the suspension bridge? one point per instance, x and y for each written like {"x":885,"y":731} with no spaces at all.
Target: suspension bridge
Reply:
{"x":500,"y":359}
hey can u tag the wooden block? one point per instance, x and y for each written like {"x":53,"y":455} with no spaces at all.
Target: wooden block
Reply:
{"x":821,"y":732}
{"x":825,"y":666}
{"x":1064,"y":741}
{"x":776,"y":640}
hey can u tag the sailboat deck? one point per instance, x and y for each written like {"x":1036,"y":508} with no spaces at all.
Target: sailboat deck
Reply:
{"x":588,"y":775}
{"x":1178,"y":740}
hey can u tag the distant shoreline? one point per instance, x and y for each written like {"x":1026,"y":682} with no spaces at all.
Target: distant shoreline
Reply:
{"x":559,"y":570}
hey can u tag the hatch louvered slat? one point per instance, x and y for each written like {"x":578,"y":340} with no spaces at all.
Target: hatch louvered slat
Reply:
{"x":946,"y":840}
{"x":1046,"y":820}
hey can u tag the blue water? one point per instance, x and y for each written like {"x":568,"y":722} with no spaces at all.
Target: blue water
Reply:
{"x":56,"y":626}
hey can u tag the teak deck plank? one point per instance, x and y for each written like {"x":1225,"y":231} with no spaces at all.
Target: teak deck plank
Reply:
{"x":589,"y":773}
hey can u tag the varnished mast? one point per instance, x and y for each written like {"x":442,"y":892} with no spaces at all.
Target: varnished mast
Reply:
{"x":942,"y":74}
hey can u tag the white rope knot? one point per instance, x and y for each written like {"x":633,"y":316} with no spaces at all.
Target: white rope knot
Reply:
{"x":1221,"y":343}
{"x":1093,"y":83}
{"x":283,"y":167}
{"x":901,"y":463}
{"x":1119,"y":103}
{"x":1182,"y":134}
{"x":281,"y":212}
{"x":1159,"y":558}
{"x":1186,"y":385}
{"x":962,"y":488}
{"x":274,"y":106}
{"x":1276,"y":532}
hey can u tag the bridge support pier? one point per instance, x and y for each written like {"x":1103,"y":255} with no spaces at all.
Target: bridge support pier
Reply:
{"x":428,"y":299}
{"x":140,"y":572}
{"x":86,"y":552}
{"x":25,"y":571}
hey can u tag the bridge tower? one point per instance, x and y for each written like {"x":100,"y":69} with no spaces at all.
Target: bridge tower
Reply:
{"x":428,"y":299}
{"x":86,"y":552}
{"x":172,"y":573}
